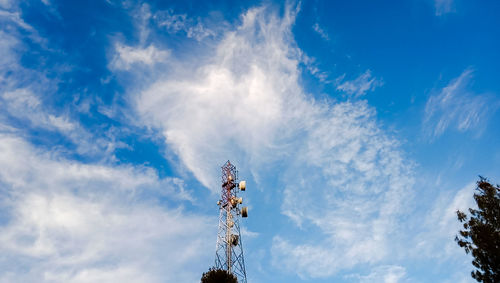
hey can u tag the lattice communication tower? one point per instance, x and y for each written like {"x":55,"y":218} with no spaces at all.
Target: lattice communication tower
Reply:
{"x":229,"y":250}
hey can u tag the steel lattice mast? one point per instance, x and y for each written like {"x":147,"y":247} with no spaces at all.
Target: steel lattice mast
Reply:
{"x":229,"y":250}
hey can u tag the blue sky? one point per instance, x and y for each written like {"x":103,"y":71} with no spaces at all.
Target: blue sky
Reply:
{"x":360,"y":127}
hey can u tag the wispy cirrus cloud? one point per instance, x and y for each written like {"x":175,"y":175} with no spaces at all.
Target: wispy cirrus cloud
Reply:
{"x":441,"y":225}
{"x":22,"y":93}
{"x":311,"y":66}
{"x":18,"y":98}
{"x":6,"y":4}
{"x":319,"y":30}
{"x":454,"y":106}
{"x":22,"y":103}
{"x":358,"y":173}
{"x":73,"y":222}
{"x":14,"y":17}
{"x":26,"y":112}
{"x":13,"y":23}
{"x":9,"y":62}
{"x":245,"y":102}
{"x":126,"y":56}
{"x":333,"y":184}
{"x":241,"y":74}
{"x":384,"y":273}
{"x":360,"y":85}
{"x":64,"y":220}
{"x":175,"y":23}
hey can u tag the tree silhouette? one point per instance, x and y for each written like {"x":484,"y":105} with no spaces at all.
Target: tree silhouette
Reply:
{"x":218,"y":276}
{"x":481,"y":234}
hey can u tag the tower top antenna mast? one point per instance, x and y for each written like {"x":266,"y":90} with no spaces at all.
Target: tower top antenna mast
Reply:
{"x":229,"y":249}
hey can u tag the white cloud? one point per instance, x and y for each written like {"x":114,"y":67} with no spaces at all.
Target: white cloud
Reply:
{"x":245,"y":103}
{"x":238,"y":101}
{"x":319,"y":30}
{"x":248,"y":234}
{"x":65,"y":221}
{"x":441,"y":225}
{"x":311,"y":67}
{"x":175,"y":23}
{"x":14,"y":17}
{"x":143,"y":54}
{"x":314,"y":260}
{"x":126,"y":56}
{"x":351,"y":183}
{"x":359,"y":86}
{"x":454,"y":106}
{"x":13,"y":23}
{"x":384,"y":273}
{"x":23,"y":94}
{"x":11,"y":47}
{"x":72,"y":222}
{"x":23,"y":103}
{"x":142,"y":16}
{"x":8,"y":62}
{"x":6,"y":4}
{"x":443,"y":7}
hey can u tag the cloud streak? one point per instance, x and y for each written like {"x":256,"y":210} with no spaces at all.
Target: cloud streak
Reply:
{"x":71,"y":222}
{"x":319,"y":30}
{"x":441,"y":225}
{"x":246,"y":103}
{"x":68,"y":221}
{"x":233,"y":104}
{"x":175,"y":23}
{"x":454,"y":106}
{"x":360,"y":85}
{"x":385,"y":273}
{"x":127,"y":56}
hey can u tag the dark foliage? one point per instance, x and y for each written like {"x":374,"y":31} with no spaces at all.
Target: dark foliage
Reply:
{"x":481,"y":234}
{"x":218,"y":276}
